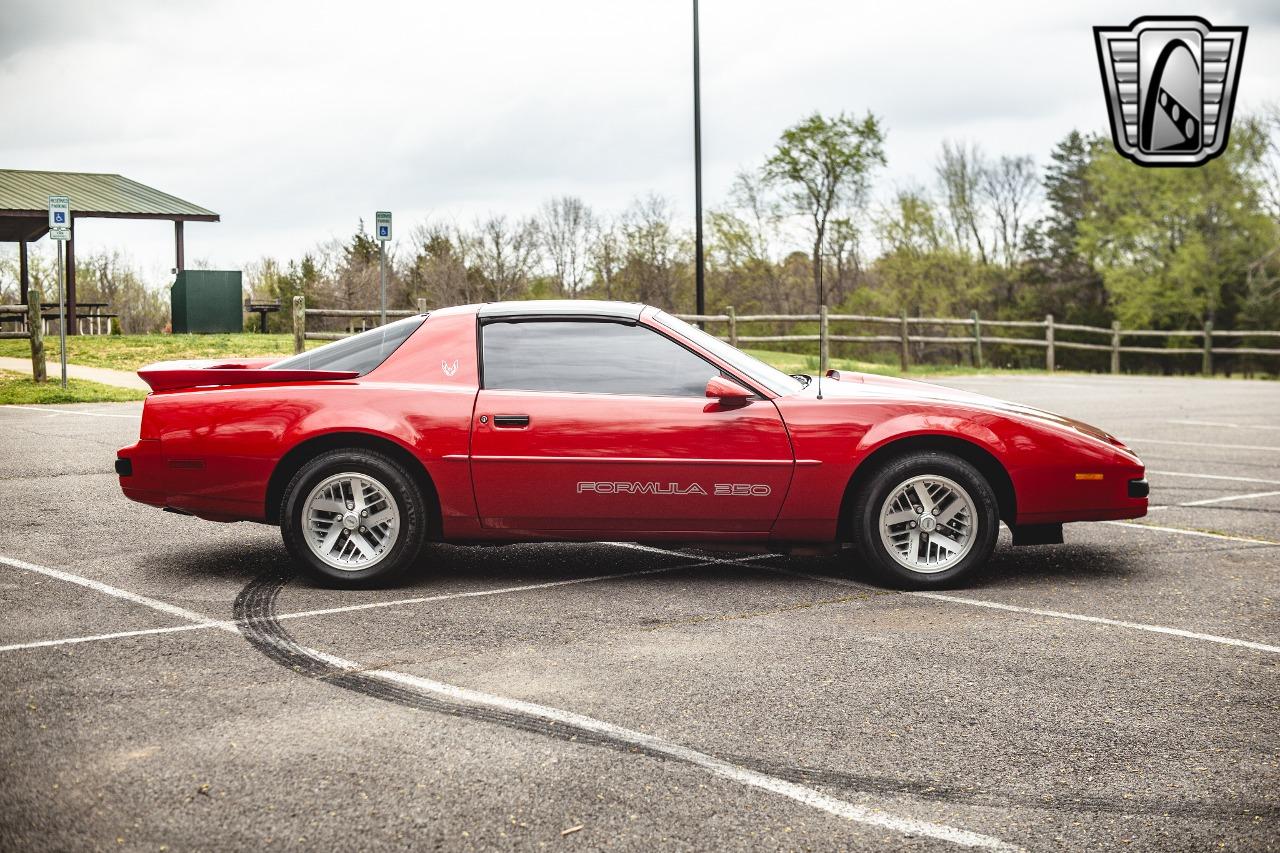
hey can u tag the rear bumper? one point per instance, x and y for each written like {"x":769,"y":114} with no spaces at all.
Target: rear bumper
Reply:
{"x":141,"y":472}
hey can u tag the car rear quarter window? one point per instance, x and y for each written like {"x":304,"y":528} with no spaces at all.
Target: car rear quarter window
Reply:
{"x":359,"y":353}
{"x":590,"y":357}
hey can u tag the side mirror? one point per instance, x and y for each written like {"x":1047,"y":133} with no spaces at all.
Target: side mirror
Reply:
{"x":727,"y":391}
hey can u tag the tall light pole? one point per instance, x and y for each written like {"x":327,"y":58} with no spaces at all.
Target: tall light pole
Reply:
{"x":701,"y":282}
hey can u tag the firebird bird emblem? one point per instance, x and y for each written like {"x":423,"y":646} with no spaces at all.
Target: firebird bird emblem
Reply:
{"x":449,"y":369}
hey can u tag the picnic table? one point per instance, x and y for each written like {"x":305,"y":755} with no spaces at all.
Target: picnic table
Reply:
{"x":90,"y":319}
{"x":263,"y":309}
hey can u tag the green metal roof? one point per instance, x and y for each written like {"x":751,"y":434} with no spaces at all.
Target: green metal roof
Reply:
{"x":23,"y":193}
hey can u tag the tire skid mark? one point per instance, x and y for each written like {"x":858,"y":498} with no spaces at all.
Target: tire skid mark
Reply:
{"x":255,"y":616}
{"x":941,"y":792}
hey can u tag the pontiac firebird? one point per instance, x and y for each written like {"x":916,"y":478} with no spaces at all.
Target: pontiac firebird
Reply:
{"x":511,"y":422}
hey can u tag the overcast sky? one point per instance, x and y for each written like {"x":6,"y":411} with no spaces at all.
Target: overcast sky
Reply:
{"x":293,"y":120}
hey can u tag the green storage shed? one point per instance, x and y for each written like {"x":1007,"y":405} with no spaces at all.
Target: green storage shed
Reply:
{"x":207,"y":301}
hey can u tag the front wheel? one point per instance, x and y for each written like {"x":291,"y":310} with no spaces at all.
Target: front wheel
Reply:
{"x":353,"y":518}
{"x":925,"y":520}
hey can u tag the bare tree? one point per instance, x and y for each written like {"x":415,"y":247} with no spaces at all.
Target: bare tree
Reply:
{"x":1268,"y":120}
{"x":961,"y":169}
{"x":1009,"y":187}
{"x":606,"y":255}
{"x":506,"y":255}
{"x":440,"y":270}
{"x":744,"y":245}
{"x":844,"y":248}
{"x":565,"y":228}
{"x":652,"y":249}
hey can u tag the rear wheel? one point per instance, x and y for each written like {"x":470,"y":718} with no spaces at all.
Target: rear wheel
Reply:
{"x":353,"y":518}
{"x":925,"y":520}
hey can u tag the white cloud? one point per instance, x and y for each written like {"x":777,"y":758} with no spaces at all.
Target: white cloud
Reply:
{"x":294,"y":119}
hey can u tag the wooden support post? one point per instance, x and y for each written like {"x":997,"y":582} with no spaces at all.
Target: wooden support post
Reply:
{"x":906,"y":343}
{"x":179,"y":250}
{"x":24,"y":272}
{"x":1206,"y":362}
{"x":71,"y":285}
{"x":422,"y":305}
{"x":824,"y":345}
{"x":299,"y":324}
{"x":1048,"y":339}
{"x":977,"y":338}
{"x":1115,"y":346}
{"x":38,"y":370}
{"x":733,"y":326}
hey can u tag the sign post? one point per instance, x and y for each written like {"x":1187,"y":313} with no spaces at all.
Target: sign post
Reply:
{"x":60,"y":230}
{"x":383,"y":224}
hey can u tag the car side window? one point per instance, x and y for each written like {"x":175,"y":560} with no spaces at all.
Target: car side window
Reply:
{"x":590,"y":357}
{"x":359,"y":353}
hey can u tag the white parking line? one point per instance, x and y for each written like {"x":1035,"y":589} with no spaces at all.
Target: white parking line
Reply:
{"x":1210,"y":501}
{"x":716,"y":766}
{"x":1244,"y":497}
{"x":47,"y":410}
{"x":1270,"y":447}
{"x":1184,"y":531}
{"x":1214,"y":477}
{"x":805,"y":796}
{"x":1056,"y":614}
{"x":231,"y":625}
{"x":1227,"y":425}
{"x":1100,"y":620}
{"x":116,"y":592}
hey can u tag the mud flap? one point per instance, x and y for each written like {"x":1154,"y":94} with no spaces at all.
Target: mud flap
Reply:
{"x":1037,"y":534}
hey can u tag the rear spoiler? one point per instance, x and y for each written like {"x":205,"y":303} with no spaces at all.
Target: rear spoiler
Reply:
{"x":172,"y":375}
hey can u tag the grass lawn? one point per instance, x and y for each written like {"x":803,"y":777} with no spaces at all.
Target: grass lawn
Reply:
{"x":798,"y":363}
{"x":19,"y":389}
{"x":129,"y":352}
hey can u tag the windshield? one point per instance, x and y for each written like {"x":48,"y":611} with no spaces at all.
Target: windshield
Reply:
{"x":752,"y":368}
{"x":359,"y":353}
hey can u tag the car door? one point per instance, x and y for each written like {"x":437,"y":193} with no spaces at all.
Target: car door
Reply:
{"x":603,"y":424}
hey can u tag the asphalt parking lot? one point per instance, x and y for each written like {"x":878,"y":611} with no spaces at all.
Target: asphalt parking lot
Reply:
{"x":165,"y":684}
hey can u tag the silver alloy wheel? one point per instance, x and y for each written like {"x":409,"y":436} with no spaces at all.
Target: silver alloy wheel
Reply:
{"x":352,"y":521}
{"x":927,"y":524}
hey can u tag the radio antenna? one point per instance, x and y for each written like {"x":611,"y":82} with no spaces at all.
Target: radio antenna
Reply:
{"x":819,"y":382}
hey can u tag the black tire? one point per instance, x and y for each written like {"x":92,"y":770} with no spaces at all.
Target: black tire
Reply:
{"x":886,"y":480}
{"x":412,"y":532}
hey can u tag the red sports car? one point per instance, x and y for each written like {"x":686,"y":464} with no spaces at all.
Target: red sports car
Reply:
{"x":581,"y":420}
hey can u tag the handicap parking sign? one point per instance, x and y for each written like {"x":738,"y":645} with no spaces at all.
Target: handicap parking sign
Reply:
{"x":383,"y":231}
{"x":383,"y":220}
{"x":59,"y":217}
